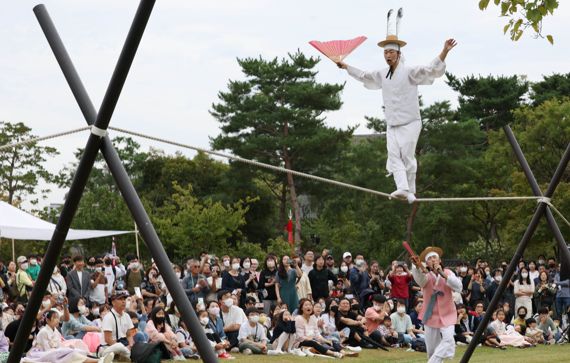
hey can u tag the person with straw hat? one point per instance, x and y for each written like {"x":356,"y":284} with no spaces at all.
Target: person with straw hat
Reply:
{"x":438,"y":312}
{"x":399,"y":84}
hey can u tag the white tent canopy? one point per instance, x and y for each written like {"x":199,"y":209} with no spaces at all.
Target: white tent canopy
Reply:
{"x":17,"y":224}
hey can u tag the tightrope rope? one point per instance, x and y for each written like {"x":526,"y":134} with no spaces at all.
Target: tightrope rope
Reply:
{"x":36,"y":139}
{"x":284,"y":170}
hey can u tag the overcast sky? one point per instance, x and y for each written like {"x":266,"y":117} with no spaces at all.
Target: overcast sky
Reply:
{"x":189,"y":52}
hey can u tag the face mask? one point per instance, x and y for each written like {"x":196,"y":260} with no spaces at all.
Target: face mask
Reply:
{"x":82,"y":309}
{"x":34,"y":262}
{"x":95,"y":312}
{"x":235,"y":266}
{"x":229,"y":302}
{"x":136,"y":325}
{"x":246,"y":265}
{"x":498,"y":278}
{"x":401,"y":309}
{"x":377,"y":307}
{"x":522,"y":316}
{"x":463,"y":269}
{"x":524,"y":275}
{"x":344,"y":269}
{"x":323,"y":306}
{"x":214,"y":311}
{"x":334,"y":309}
{"x":159,"y":320}
{"x":359,"y":262}
{"x":46,"y":304}
{"x":541,"y":262}
{"x":204,"y":321}
{"x":99,"y":269}
{"x":487,"y":272}
{"x":24,"y":266}
{"x":270,"y":264}
{"x":135,"y":266}
{"x":254,"y":318}
{"x":226,"y":263}
{"x":355,"y":306}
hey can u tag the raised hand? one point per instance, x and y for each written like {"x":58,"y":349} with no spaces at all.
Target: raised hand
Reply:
{"x":449,"y":44}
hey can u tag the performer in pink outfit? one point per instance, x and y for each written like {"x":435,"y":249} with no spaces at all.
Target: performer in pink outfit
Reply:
{"x":438,"y":312}
{"x":399,"y":84}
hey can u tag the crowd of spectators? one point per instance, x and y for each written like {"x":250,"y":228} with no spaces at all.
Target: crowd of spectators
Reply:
{"x":103,"y":307}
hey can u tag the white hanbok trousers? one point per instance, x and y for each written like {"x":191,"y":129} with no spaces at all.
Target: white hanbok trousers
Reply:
{"x":401,"y":142}
{"x":440,"y":343}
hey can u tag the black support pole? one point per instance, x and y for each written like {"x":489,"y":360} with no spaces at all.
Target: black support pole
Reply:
{"x":564,"y":252}
{"x":127,"y":190}
{"x":540,"y":210}
{"x":81,"y":176}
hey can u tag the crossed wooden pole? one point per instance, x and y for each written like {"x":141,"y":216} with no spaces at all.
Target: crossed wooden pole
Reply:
{"x":542,"y":209}
{"x":98,"y":140}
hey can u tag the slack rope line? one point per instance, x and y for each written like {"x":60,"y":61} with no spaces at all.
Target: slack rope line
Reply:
{"x":539,"y":199}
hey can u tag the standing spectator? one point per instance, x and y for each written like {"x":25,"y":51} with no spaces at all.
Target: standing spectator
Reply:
{"x":255,"y":269}
{"x":400,"y":276}
{"x":562,"y":298}
{"x":545,"y":292}
{"x":134,"y":276}
{"x":308,"y":262}
{"x":331,"y":265}
{"x":57,"y":286}
{"x":214,"y":283}
{"x":234,"y":281}
{"x":33,"y":268}
{"x":99,"y":293}
{"x":250,"y":278}
{"x":524,"y":290}
{"x":286,"y":290}
{"x":319,"y":278}
{"x":476,"y":288}
{"x":267,"y":281}
{"x":78,"y":281}
{"x":194,"y":283}
{"x":359,"y":278}
{"x":532,"y":271}
{"x":376,"y":278}
{"x":24,"y":282}
{"x":303,"y":285}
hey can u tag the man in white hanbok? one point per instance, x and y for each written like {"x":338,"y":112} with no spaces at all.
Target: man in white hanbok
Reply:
{"x":399,"y":84}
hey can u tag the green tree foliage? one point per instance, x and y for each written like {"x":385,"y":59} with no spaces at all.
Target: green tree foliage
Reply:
{"x":187,"y":225}
{"x":524,"y":14}
{"x":553,"y":86}
{"x":276,"y":116}
{"x":490,"y":100}
{"x":21,"y":168}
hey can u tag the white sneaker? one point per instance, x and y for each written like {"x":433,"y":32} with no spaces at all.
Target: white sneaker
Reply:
{"x":234,"y":350}
{"x":298,"y":352}
{"x":178,"y":357}
{"x":308,"y":352}
{"x":400,"y":194}
{"x":353,"y":349}
{"x":411,"y":198}
{"x":338,"y":355}
{"x":247,"y":351}
{"x":274,"y":352}
{"x":107,"y":358}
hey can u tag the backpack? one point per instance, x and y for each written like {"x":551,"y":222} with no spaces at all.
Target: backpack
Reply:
{"x":149,"y":352}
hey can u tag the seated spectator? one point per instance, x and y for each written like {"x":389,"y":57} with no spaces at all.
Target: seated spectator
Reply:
{"x":464,"y":326}
{"x":232,"y":316}
{"x":213,"y":337}
{"x":546,"y":324}
{"x":283,"y":338}
{"x":185,"y":344}
{"x":216,"y":323}
{"x":520,"y":320}
{"x":140,"y":335}
{"x":47,"y":346}
{"x":329,"y":322}
{"x":374,"y":317}
{"x":533,"y":332}
{"x":308,"y":334}
{"x":356,"y":326}
{"x":252,"y":338}
{"x":507,"y":336}
{"x":159,"y":331}
{"x":402,"y":324}
{"x":78,"y":325}
{"x":388,"y":332}
{"x":118,"y":328}
{"x":418,"y":325}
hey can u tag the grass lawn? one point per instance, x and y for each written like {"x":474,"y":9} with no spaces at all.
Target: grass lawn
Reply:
{"x":557,"y":353}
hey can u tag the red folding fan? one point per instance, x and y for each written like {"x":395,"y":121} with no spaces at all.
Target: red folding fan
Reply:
{"x":337,"y":50}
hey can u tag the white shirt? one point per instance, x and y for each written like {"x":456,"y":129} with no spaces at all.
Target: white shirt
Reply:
{"x":234,"y":316}
{"x":306,"y":268}
{"x":80,"y":277}
{"x":123,"y":323}
{"x":400,"y":92}
{"x":255,"y":333}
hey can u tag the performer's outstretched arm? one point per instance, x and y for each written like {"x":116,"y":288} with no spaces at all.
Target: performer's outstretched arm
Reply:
{"x":371,"y":80}
{"x":419,"y":276}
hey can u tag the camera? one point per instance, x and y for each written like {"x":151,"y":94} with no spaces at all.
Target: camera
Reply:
{"x":59,"y":299}
{"x":293,"y":263}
